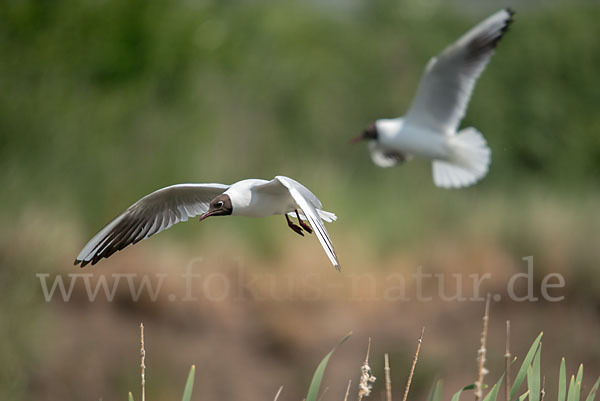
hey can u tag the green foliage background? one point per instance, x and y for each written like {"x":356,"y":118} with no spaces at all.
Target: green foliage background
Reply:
{"x":106,"y":100}
{"x":102,"y":102}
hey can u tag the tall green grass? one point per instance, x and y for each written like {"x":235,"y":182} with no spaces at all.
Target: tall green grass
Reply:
{"x":529,"y":372}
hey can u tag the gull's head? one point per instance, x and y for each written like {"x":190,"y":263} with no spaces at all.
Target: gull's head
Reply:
{"x":219,"y":206}
{"x":368,"y":134}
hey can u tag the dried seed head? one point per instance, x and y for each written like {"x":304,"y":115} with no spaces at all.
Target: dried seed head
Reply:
{"x":366,"y":377}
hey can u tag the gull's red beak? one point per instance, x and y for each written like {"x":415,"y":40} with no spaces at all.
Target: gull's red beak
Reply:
{"x":357,"y":139}
{"x":205,"y":215}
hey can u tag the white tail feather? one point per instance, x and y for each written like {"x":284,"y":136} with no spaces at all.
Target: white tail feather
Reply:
{"x":468,"y":162}
{"x":325,"y":216}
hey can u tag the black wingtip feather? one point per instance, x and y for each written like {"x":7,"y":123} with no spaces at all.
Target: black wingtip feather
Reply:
{"x":505,"y":28}
{"x":510,"y":19}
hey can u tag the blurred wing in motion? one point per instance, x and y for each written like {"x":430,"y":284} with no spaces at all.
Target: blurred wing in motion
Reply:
{"x":150,"y":215}
{"x":310,"y":206}
{"x":447,"y":85}
{"x":386,"y":158}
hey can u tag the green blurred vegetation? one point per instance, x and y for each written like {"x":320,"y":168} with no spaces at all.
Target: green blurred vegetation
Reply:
{"x":104,"y":101}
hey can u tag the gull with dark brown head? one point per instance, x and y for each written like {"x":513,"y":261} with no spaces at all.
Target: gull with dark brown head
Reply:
{"x":253,"y":198}
{"x":429,"y":128}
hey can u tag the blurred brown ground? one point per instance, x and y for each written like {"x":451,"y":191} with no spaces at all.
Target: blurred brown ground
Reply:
{"x":245,"y":349}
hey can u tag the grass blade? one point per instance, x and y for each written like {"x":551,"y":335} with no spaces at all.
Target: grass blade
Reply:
{"x":533,"y":377}
{"x":578,"y":381}
{"x":456,"y":396}
{"x":315,"y":384}
{"x":189,"y":385}
{"x":523,"y":370}
{"x":571,"y":394}
{"x":493,"y":394}
{"x":130,"y":397}
{"x":592,"y":393}
{"x":562,"y":381}
{"x":524,"y":395}
{"x":436,"y":392}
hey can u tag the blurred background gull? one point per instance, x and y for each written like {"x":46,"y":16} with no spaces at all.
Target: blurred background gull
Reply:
{"x":104,"y":101}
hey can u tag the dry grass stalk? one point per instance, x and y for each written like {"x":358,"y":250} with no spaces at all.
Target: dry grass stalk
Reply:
{"x":414,"y":363}
{"x":507,"y":357}
{"x":143,"y":361}
{"x":278,"y":392}
{"x":388,"y":379}
{"x":366,"y":378}
{"x":348,"y":390}
{"x":482,"y":371}
{"x":543,"y":391}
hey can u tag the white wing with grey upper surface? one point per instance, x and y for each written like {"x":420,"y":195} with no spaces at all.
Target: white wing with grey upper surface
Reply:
{"x":311,"y":208}
{"x":446,"y":87}
{"x":150,"y":215}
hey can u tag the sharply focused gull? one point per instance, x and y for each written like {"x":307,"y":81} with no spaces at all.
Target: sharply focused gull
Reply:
{"x":429,"y":128}
{"x":254,"y":198}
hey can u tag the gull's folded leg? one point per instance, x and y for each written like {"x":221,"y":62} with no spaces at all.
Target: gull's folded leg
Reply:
{"x":293,"y":226}
{"x":303,"y":224}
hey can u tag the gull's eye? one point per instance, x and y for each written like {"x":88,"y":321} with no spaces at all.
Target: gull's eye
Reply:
{"x":219,"y":204}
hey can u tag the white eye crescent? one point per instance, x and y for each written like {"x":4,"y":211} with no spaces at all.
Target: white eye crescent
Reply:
{"x":219,"y":204}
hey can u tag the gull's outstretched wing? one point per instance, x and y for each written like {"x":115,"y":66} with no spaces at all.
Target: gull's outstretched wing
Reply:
{"x":311,"y":210}
{"x":445,"y":88}
{"x":383,"y":157}
{"x":150,"y":215}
